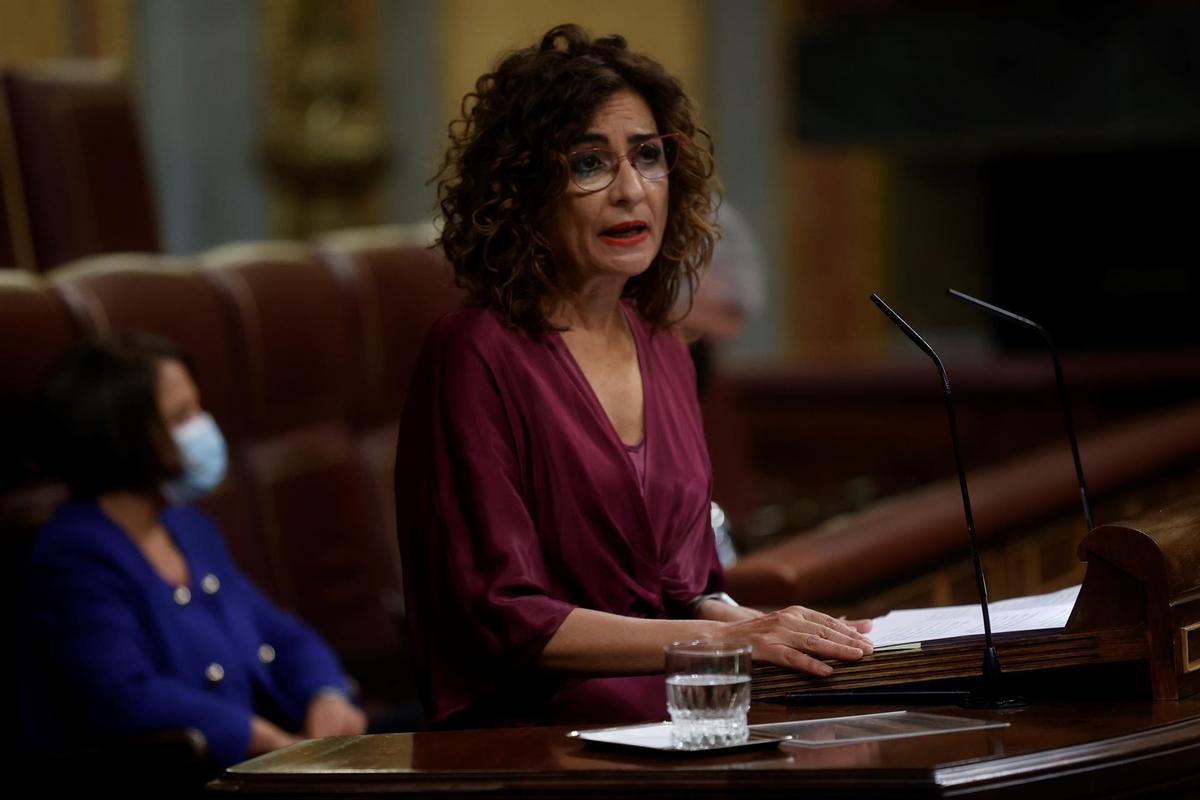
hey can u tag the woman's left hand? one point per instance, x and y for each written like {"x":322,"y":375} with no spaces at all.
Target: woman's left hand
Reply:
{"x":801,"y":639}
{"x":332,"y":714}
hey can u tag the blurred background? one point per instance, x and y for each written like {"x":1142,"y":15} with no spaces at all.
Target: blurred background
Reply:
{"x":1040,"y":155}
{"x":1028,"y":151}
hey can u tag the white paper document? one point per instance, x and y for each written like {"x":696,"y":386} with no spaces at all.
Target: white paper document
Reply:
{"x":1033,"y":613}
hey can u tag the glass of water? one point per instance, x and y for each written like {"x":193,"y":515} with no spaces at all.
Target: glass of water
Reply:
{"x":708,"y":693}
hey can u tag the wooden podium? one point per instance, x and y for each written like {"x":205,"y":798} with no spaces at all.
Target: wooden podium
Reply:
{"x":1139,"y":605}
{"x":1084,"y":734}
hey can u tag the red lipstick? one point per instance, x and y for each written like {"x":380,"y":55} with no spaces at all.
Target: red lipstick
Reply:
{"x":624,"y":234}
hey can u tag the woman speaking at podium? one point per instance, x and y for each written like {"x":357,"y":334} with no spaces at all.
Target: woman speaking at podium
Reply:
{"x":552,"y":478}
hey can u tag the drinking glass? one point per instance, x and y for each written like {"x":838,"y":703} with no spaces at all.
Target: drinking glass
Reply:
{"x":708,"y":693}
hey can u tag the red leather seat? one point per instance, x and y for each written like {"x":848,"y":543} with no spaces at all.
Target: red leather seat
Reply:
{"x":86,"y":186}
{"x":35,"y":328}
{"x":293,"y":377}
{"x":16,"y":246}
{"x":396,"y":287}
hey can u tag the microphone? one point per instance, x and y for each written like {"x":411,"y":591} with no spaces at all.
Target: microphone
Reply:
{"x":990,"y":696}
{"x":1009,"y":316}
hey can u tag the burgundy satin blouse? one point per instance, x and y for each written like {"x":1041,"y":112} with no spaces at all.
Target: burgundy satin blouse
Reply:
{"x":517,"y":502}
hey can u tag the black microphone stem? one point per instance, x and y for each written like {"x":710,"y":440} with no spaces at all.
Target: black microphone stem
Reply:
{"x":1009,"y":316}
{"x":966,"y":498}
{"x":958,"y":462}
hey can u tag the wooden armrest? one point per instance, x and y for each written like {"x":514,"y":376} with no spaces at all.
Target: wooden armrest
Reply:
{"x":896,"y":536}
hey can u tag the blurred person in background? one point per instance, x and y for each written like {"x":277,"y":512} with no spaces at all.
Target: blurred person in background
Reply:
{"x":141,"y":620}
{"x":730,"y":293}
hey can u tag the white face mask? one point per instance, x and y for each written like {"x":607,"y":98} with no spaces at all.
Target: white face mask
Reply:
{"x":202,"y":449}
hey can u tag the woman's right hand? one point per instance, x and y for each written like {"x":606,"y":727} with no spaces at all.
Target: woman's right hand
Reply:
{"x":798,"y":638}
{"x":266,"y":736}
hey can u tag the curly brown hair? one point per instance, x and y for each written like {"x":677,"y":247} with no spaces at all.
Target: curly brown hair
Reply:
{"x":505,"y":170}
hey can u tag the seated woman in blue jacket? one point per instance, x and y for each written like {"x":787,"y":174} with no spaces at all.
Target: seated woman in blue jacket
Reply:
{"x":141,"y":615}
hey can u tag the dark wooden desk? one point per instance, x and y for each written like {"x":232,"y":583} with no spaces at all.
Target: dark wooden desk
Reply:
{"x":1058,"y":749}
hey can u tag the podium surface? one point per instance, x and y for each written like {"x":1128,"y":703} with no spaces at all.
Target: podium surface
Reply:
{"x":1114,"y":712}
{"x":1052,"y":748}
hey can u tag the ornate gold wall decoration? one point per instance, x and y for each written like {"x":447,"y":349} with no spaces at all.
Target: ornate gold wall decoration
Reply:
{"x":324,"y":145}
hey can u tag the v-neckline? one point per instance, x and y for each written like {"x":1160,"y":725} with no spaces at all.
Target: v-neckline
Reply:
{"x":143,"y":560}
{"x":594,"y":400}
{"x":641,"y":505}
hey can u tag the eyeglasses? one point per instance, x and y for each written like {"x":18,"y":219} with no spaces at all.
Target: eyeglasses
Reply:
{"x":595,"y":168}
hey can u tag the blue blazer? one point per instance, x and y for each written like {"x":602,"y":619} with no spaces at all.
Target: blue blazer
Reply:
{"x":130,"y":653}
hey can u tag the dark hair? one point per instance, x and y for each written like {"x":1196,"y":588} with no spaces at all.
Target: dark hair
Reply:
{"x":101,"y":429}
{"x":505,"y":169}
